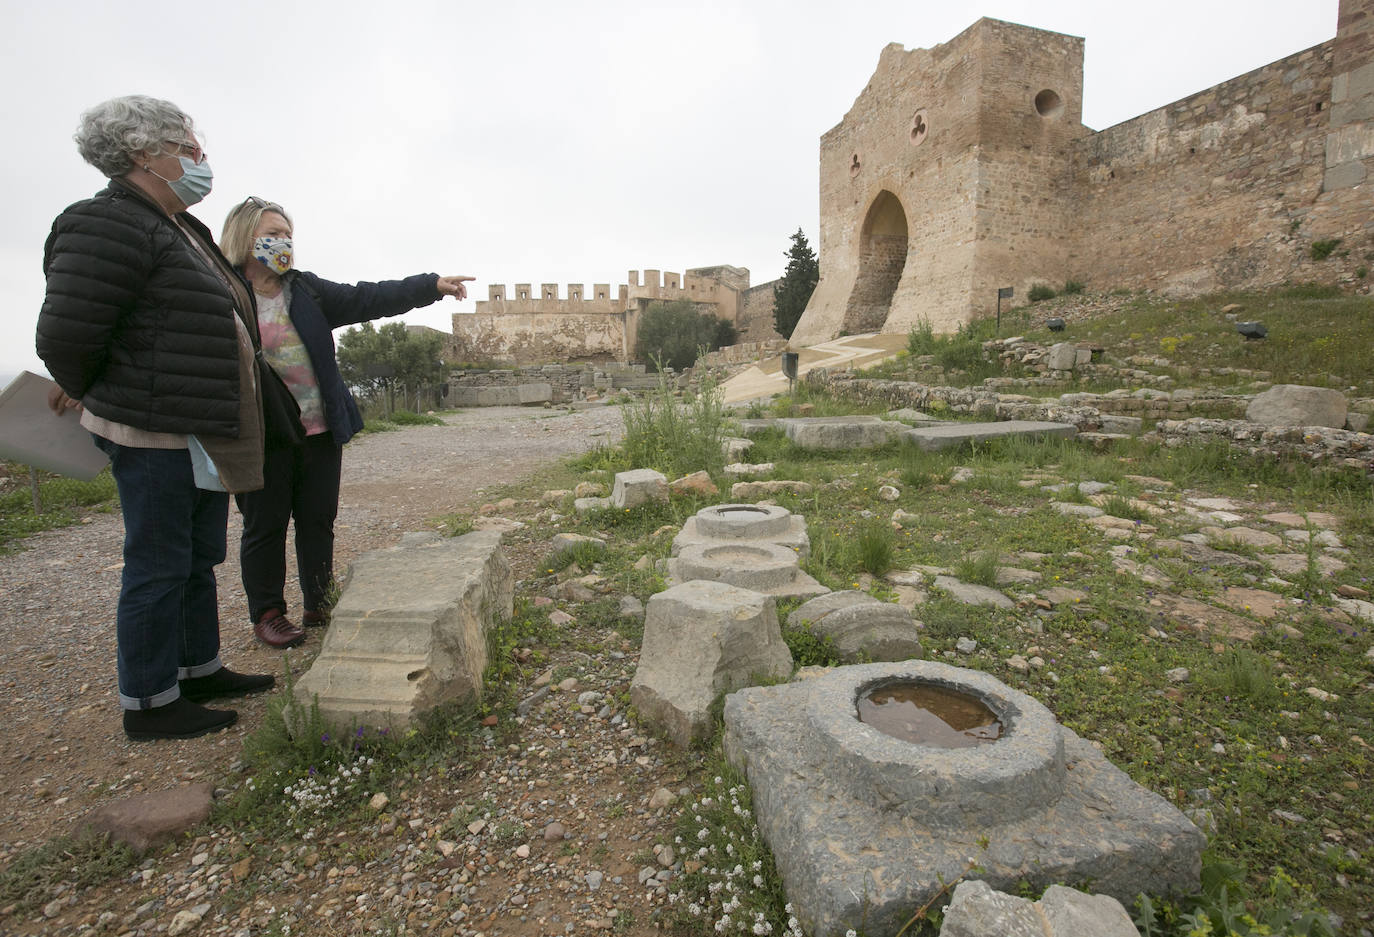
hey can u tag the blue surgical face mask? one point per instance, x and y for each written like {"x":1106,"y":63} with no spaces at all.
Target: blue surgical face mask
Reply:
{"x":195,"y":183}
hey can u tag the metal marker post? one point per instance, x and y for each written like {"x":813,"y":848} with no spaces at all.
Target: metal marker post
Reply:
{"x":789,"y":368}
{"x":1004,"y":292}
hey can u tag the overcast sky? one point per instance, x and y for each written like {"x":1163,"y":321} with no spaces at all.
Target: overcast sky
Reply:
{"x":534,"y":141}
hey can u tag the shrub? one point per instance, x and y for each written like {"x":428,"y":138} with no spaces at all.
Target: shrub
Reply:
{"x":676,"y":438}
{"x":1322,"y":249}
{"x":1041,"y":291}
{"x":1073,"y":287}
{"x":921,"y":339}
{"x":673,"y":334}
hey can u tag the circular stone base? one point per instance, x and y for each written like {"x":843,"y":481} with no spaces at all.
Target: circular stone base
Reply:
{"x":1016,"y":776}
{"x":743,"y":521}
{"x":757,"y":565}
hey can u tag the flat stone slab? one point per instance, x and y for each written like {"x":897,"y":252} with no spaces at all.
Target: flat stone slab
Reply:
{"x":857,"y":848}
{"x":410,"y":630}
{"x":971,"y":593}
{"x":145,"y":821}
{"x":831,"y":433}
{"x":934,"y":438}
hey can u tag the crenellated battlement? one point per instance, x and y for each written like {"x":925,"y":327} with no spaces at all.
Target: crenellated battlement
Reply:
{"x":570,"y":322}
{"x":706,"y":285}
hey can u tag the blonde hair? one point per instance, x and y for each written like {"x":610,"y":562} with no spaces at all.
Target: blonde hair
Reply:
{"x":236,"y":240}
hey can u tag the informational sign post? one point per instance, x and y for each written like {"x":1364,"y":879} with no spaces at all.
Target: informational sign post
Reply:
{"x":32,"y":434}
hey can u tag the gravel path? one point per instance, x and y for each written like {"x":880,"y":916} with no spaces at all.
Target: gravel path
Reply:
{"x":65,"y":751}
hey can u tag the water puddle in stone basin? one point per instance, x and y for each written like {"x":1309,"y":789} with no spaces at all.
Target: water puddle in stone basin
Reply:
{"x":928,"y":714}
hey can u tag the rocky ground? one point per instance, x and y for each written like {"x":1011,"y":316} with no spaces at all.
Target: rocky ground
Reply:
{"x":505,"y":868}
{"x":562,"y":823}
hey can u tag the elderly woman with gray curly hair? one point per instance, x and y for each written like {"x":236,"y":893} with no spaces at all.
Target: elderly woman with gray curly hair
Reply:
{"x":151,"y":335}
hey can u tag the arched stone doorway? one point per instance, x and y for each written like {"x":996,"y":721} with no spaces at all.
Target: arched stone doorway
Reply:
{"x":882,"y":256}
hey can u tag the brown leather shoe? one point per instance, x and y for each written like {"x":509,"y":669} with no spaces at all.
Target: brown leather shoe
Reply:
{"x":275,"y":630}
{"x":314,"y":619}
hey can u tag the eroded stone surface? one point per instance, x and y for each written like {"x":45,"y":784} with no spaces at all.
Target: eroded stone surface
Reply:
{"x":702,"y":639}
{"x":949,"y":435}
{"x":854,"y":851}
{"x":145,"y":821}
{"x":409,"y":631}
{"x":861,"y":627}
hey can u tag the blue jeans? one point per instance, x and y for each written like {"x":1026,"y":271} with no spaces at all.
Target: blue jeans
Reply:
{"x":167,"y":622}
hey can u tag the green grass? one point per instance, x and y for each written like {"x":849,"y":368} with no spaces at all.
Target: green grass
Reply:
{"x":62,"y":502}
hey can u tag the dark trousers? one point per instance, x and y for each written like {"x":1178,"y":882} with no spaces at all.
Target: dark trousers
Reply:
{"x":300,"y":484}
{"x":167,"y":620}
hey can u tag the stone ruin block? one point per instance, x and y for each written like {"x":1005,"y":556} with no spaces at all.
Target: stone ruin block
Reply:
{"x":1298,"y":405}
{"x":934,"y":438}
{"x":753,"y":546}
{"x":702,"y":639}
{"x":866,"y":826}
{"x":639,"y":486}
{"x":860,"y":627}
{"x":840,"y":432}
{"x":410,"y":630}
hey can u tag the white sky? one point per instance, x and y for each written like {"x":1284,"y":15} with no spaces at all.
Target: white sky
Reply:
{"x":532,"y":141}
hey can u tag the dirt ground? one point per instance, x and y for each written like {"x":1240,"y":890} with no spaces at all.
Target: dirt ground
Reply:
{"x":66,"y":754}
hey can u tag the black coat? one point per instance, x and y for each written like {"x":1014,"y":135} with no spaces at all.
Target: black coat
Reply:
{"x":318,"y":306}
{"x":135,"y":324}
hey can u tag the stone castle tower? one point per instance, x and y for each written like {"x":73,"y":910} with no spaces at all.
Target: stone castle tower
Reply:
{"x":965,"y":168}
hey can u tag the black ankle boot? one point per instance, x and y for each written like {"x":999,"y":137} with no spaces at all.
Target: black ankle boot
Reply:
{"x":225,"y":682}
{"x":179,"y":719}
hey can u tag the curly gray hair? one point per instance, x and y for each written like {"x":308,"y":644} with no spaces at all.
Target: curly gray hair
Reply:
{"x":112,"y":132}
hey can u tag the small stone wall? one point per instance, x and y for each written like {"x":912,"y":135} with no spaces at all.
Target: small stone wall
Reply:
{"x":569,"y":381}
{"x":1316,"y":444}
{"x":1121,"y":411}
{"x":743,"y":353}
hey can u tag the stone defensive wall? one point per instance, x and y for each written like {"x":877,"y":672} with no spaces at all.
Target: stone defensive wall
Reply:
{"x":528,"y":325}
{"x":1216,"y":190}
{"x":964,"y":169}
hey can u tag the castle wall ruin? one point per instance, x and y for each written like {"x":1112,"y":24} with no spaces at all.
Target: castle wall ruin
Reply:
{"x":965,"y":168}
{"x":535,"y":326}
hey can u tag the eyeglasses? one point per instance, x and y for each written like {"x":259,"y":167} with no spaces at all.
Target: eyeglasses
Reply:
{"x":186,"y":148}
{"x":264,"y":205}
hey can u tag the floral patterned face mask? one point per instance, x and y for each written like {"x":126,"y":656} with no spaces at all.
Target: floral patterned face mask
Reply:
{"x":273,"y":253}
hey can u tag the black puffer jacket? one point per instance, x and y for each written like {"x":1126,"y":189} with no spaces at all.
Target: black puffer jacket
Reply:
{"x":134,"y":324}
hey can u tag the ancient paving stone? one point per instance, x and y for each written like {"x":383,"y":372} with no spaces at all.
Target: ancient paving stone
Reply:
{"x":971,"y":593}
{"x":1295,"y":564}
{"x":1198,"y":616}
{"x":1256,"y":602}
{"x":1077,"y":510}
{"x":1248,"y":536}
{"x":1317,"y":518}
{"x":1323,"y":538}
{"x":751,"y":491}
{"x":1007,"y":575}
{"x":566,"y":541}
{"x":745,"y":469}
{"x":830,"y":433}
{"x":1063,"y":595}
